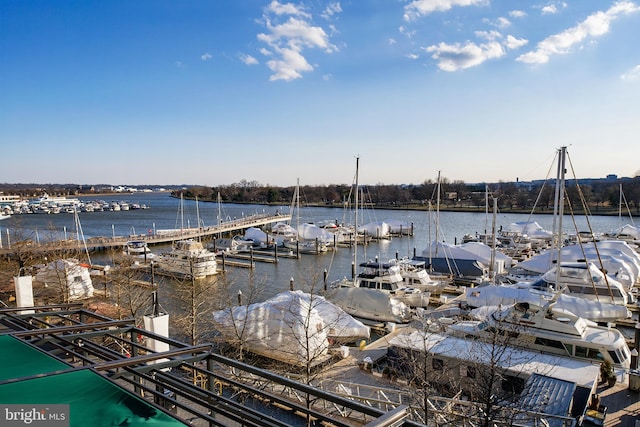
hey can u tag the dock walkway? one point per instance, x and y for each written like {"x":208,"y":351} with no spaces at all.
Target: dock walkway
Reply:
{"x":153,"y":238}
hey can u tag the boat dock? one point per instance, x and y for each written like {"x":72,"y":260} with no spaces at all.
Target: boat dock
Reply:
{"x":153,"y":238}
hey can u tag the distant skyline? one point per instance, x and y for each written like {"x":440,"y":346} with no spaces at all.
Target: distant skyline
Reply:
{"x":215,"y":92}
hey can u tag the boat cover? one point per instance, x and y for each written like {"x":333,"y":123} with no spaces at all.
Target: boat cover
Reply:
{"x":70,"y":274}
{"x":291,"y":327}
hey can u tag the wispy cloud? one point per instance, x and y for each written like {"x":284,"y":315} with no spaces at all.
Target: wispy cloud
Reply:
{"x":593,"y":26}
{"x":206,"y":56}
{"x":331,"y":10}
{"x":248,"y":59}
{"x":289,"y":31}
{"x":418,"y":8}
{"x":633,"y":74}
{"x":517,"y":14}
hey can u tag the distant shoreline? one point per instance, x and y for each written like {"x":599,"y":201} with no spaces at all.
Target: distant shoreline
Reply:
{"x":600,"y":211}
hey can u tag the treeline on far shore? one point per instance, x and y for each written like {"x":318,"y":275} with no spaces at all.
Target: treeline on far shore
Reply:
{"x":597,"y":197}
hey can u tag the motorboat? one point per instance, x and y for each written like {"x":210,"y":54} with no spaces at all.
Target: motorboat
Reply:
{"x":415,"y":275}
{"x":386,"y":278}
{"x":547,"y":329}
{"x":234,"y":244}
{"x":139,"y":250}
{"x":370,"y":304}
{"x":188,"y":258}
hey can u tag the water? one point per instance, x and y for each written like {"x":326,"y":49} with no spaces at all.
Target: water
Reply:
{"x":164,"y":213}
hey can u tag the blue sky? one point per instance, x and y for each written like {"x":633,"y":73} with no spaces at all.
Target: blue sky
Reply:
{"x":214,"y":92}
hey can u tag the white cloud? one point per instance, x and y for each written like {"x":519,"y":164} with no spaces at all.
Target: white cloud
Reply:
{"x":594,"y":25}
{"x":453,"y":57}
{"x":513,"y":43}
{"x":553,"y":8}
{"x":633,"y":74}
{"x":206,"y":56}
{"x":517,"y":14}
{"x":488,"y":35}
{"x":418,"y":8}
{"x":412,"y":56}
{"x":278,"y":8}
{"x":290,"y":66}
{"x":289,"y":32}
{"x":248,"y":59}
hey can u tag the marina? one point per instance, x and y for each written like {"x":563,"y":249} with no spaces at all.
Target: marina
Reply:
{"x":277,"y":269}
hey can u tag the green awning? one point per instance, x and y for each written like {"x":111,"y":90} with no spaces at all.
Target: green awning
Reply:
{"x":93,"y":400}
{"x":21,"y":360}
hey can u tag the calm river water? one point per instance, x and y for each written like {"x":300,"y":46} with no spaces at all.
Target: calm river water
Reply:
{"x":164,"y":213}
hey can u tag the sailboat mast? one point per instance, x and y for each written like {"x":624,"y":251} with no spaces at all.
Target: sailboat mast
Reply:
{"x":355,"y":231}
{"x":560,"y":197}
{"x":492,"y":263}
{"x":620,"y":206}
{"x":437,"y":213}
{"x":297,"y":198}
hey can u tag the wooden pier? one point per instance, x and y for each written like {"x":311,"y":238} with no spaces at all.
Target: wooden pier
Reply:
{"x":156,"y":238}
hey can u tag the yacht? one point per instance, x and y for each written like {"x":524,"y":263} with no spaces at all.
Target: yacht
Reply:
{"x":546,"y":329}
{"x":415,"y":275}
{"x":188,"y":258}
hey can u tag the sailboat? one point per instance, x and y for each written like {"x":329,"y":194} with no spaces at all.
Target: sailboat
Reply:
{"x":300,"y":244}
{"x":364,"y":302}
{"x":468,"y":262}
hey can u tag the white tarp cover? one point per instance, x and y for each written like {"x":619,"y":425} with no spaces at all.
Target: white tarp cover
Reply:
{"x":531,"y":229}
{"x":618,"y":258}
{"x":67,"y":273}
{"x":627,"y":229}
{"x":256,"y":235}
{"x":370,"y":304}
{"x":490,"y":295}
{"x":311,"y":232}
{"x":292,"y":327}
